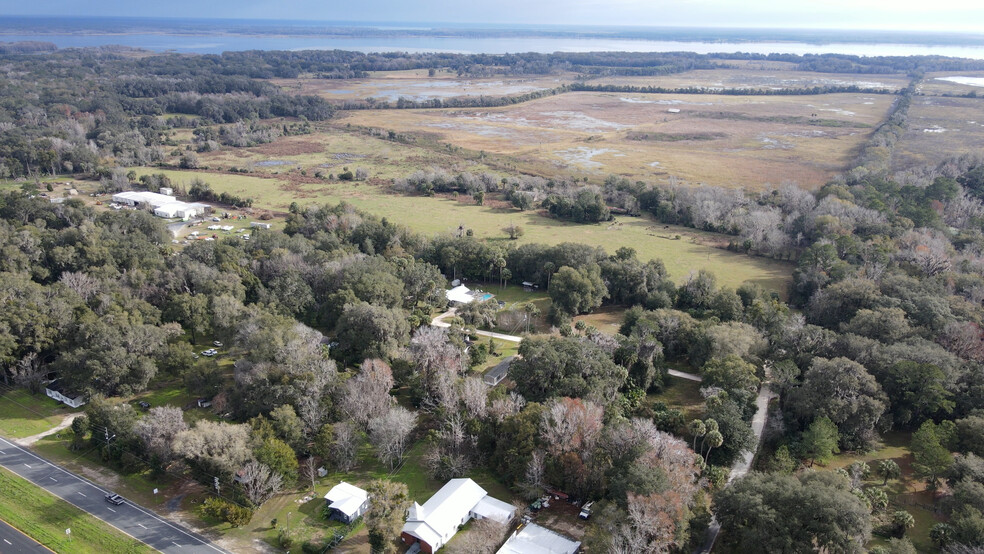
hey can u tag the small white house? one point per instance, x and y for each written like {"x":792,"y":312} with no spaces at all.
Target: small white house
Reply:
{"x":260,"y":224}
{"x":56,"y":390}
{"x":167,"y":191}
{"x":346,"y":502}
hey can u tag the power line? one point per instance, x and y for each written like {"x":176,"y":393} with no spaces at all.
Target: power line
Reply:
{"x":8,"y":388}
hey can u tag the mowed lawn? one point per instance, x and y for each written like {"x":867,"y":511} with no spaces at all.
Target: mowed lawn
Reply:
{"x":45,"y":518}
{"x":304,"y":508}
{"x":23,"y":415}
{"x":433,"y":215}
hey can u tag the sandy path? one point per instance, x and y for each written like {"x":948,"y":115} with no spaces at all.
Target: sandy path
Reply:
{"x":28,"y":441}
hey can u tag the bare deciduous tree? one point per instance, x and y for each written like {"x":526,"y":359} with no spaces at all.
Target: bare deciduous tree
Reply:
{"x":571,"y":425}
{"x":452,"y":453}
{"x":475,"y":397}
{"x":439,"y":364}
{"x":345,"y":446}
{"x":259,"y":482}
{"x":309,"y":471}
{"x":505,"y":407}
{"x":533,"y":480}
{"x":219,"y":447}
{"x":158,"y":429}
{"x":82,"y":283}
{"x":388,"y":434}
{"x":367,"y":395}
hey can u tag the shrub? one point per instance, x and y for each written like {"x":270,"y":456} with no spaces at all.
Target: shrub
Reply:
{"x":218,"y":508}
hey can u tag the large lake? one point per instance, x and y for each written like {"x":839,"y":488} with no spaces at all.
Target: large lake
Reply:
{"x":214,"y":44}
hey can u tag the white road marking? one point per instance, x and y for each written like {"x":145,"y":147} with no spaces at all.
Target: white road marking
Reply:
{"x":142,"y":525}
{"x":141,"y":509}
{"x":2,"y":452}
{"x":176,"y":544}
{"x":82,"y":493}
{"x":110,"y":509}
{"x":29,"y":466}
{"x":53,"y":479}
{"x":8,"y":542}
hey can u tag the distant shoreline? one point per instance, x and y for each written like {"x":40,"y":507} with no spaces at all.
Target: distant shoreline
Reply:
{"x":124,"y":26}
{"x":205,"y":36}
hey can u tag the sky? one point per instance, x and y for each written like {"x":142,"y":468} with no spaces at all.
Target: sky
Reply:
{"x":937,"y":15}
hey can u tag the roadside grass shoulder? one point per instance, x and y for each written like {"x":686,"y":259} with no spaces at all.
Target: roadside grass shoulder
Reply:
{"x":45,"y":518}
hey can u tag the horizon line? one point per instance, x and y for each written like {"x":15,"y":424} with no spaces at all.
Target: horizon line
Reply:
{"x":436,"y":25}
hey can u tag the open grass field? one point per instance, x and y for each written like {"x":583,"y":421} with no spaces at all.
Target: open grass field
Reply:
{"x":734,"y":141}
{"x":415,"y":85}
{"x":755,"y":74}
{"x":952,"y":83}
{"x":689,"y":253}
{"x":23,"y":415}
{"x":940,"y":127}
{"x":336,"y":147}
{"x":45,"y":517}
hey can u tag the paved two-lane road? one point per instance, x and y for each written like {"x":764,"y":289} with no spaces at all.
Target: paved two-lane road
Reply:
{"x":138,"y":522}
{"x":12,"y":540}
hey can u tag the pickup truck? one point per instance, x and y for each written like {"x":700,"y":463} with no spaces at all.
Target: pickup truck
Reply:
{"x":114,"y":498}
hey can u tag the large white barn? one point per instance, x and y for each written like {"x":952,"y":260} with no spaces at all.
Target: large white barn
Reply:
{"x":163,"y":205}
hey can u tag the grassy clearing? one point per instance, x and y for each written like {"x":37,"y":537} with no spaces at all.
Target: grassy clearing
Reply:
{"x":651,"y":240}
{"x":906,"y":493}
{"x":683,"y":395}
{"x":761,"y":141}
{"x":758,"y":75}
{"x":23,"y":415}
{"x":45,"y":517}
{"x":939,"y":127}
{"x":606,"y":319}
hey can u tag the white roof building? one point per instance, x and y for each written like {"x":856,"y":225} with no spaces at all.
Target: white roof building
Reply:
{"x":347,"y":501}
{"x":133,"y":198}
{"x":533,"y":539}
{"x":162,"y":204}
{"x":434,"y":523}
{"x":460,"y":294}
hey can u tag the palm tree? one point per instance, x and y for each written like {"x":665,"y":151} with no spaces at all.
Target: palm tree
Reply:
{"x":698,"y":429}
{"x":889,"y":470}
{"x":714,"y":440}
{"x":902,"y":520}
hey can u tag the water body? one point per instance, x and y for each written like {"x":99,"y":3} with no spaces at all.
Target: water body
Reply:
{"x":216,"y":44}
{"x":972,"y":81}
{"x":212,"y":36}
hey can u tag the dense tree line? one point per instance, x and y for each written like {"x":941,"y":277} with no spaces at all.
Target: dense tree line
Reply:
{"x":78,"y":111}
